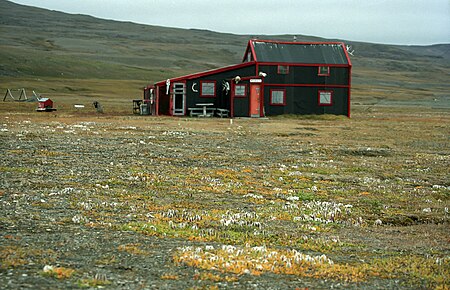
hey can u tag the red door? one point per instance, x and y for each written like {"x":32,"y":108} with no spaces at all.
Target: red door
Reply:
{"x":255,"y":100}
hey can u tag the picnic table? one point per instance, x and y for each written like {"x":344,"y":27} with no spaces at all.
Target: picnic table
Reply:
{"x":202,"y":110}
{"x":205,"y":105}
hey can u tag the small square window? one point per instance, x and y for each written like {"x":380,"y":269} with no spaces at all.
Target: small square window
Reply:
{"x":278,"y":97}
{"x":283,"y":69}
{"x":325,"y":98}
{"x":240,"y":91}
{"x":324,"y":70}
{"x":207,"y":88}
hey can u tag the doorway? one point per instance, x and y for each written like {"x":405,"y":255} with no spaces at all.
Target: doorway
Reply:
{"x":179,"y":97}
{"x":255,"y":100}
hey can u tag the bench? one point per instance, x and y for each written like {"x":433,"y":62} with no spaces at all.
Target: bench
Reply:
{"x":199,"y":112}
{"x":222,"y":112}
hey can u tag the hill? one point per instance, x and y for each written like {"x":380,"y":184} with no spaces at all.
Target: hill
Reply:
{"x":39,"y":43}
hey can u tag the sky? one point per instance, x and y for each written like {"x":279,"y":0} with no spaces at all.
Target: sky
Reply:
{"x":419,"y":22}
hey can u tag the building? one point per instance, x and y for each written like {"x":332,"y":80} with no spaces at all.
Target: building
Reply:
{"x":45,"y":105}
{"x":274,"y":78}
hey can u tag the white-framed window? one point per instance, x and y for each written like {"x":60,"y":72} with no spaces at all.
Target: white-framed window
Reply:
{"x":325,"y":98}
{"x":207,"y":88}
{"x":278,"y":97}
{"x":240,"y":91}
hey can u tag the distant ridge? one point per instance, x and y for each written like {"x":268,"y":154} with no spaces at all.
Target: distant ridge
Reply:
{"x":40,"y":42}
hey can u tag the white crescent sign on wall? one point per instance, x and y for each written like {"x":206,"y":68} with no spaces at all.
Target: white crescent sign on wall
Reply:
{"x":193,"y":88}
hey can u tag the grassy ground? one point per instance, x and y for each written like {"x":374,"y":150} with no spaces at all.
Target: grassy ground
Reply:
{"x":115,"y":95}
{"x":116,"y":200}
{"x":124,"y":201}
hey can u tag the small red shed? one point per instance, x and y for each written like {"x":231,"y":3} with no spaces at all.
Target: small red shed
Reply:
{"x":45,"y":104}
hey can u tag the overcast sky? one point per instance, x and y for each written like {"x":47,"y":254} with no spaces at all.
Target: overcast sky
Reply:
{"x":381,"y":21}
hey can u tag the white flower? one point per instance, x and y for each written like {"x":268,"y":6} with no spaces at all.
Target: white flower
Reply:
{"x":292,"y":198}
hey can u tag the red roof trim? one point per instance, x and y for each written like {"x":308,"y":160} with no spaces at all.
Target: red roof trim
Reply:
{"x":253,"y":50}
{"x":207,"y":73}
{"x":303,"y":64}
{"x":298,"y":42}
{"x":346,"y":54}
{"x":250,"y":48}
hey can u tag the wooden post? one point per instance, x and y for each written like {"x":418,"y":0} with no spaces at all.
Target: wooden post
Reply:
{"x":24,"y":93}
{"x":8,"y":93}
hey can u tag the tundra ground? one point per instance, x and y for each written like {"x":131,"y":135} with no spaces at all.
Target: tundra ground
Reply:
{"x":182,"y":203}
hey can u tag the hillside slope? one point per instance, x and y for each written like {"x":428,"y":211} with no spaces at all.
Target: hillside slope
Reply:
{"x":41,"y":43}
{"x":48,"y":43}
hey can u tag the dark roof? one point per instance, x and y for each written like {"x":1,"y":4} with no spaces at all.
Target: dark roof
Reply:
{"x":300,"y":52}
{"x":208,"y":72}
